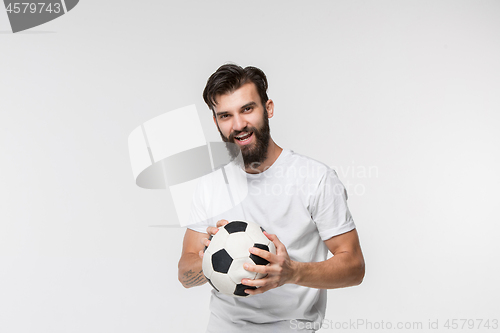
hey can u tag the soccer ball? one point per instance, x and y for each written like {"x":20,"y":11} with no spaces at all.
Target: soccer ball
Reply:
{"x":228,"y":251}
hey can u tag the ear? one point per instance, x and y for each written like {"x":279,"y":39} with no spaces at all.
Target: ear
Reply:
{"x":270,"y":108}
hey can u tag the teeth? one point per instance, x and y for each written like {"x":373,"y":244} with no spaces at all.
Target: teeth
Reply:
{"x":243,"y":135}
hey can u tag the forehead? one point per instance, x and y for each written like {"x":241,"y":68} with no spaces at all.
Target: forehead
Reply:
{"x":245,"y":94}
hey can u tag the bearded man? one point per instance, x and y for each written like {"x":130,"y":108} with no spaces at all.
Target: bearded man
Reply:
{"x":305,"y":214}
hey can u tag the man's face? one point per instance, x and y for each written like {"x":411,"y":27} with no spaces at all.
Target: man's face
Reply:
{"x":242,"y":119}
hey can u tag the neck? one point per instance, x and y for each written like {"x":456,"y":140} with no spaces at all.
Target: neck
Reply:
{"x":273,"y":152}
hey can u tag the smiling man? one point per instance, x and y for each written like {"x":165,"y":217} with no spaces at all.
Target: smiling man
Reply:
{"x":299,"y":201}
{"x":245,"y":125}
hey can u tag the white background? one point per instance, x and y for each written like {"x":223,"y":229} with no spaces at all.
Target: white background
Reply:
{"x":406,"y":91}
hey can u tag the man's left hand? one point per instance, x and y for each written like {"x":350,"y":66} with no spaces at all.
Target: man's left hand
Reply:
{"x":281,"y":268}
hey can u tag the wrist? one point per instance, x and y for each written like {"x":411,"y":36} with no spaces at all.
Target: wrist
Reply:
{"x":296,"y":269}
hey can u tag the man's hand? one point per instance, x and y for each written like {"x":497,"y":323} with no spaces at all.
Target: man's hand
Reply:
{"x":281,"y":268}
{"x":346,"y":268}
{"x":211,"y":231}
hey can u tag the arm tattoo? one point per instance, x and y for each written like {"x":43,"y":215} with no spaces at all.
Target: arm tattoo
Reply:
{"x":191,"y":278}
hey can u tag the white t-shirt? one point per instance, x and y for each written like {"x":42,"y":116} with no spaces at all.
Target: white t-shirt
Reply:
{"x":303,"y":202}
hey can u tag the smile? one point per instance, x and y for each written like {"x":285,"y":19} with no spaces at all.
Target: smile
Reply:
{"x":244,"y":138}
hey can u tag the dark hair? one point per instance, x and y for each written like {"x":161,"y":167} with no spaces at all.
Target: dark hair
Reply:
{"x":230,"y":77}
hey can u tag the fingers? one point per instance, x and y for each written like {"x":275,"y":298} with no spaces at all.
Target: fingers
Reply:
{"x":279,"y":245}
{"x":205,"y":241}
{"x":221,"y":223}
{"x":255,"y":283}
{"x":213,"y":230}
{"x":256,"y":268}
{"x":274,"y":271}
{"x":262,"y":285}
{"x":273,"y":238}
{"x":256,"y":291}
{"x":262,"y":253}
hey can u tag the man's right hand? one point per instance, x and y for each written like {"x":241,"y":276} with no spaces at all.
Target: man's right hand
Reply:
{"x":212,"y":231}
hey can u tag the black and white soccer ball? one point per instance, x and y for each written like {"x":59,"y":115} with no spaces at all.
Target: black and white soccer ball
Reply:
{"x":228,"y":251}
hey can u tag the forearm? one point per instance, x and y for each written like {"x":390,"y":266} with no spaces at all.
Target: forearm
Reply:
{"x":342,"y":270}
{"x":189,"y":270}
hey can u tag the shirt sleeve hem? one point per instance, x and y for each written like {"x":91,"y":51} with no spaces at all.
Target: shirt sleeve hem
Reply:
{"x":329,"y":233}
{"x":202,"y":229}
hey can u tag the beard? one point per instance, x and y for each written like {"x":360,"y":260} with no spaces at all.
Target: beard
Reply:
{"x":255,"y":153}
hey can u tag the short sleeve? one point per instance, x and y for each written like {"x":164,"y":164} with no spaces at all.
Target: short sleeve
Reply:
{"x":328,"y":207}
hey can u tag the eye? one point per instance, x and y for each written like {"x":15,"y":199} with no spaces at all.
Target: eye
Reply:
{"x":223,"y":116}
{"x":248,"y":108}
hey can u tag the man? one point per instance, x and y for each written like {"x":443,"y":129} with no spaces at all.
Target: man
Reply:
{"x":299,"y":201}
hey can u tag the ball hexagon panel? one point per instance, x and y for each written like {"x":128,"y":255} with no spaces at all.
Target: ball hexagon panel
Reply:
{"x":237,"y":272}
{"x":238,"y":244}
{"x":218,"y":240}
{"x":223,"y":283}
{"x":255,"y":232}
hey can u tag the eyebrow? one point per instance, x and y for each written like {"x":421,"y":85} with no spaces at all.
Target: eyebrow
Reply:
{"x":248,"y":104}
{"x":241,"y":108}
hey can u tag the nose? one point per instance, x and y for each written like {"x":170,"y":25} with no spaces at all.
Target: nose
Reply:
{"x":239,"y":123}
